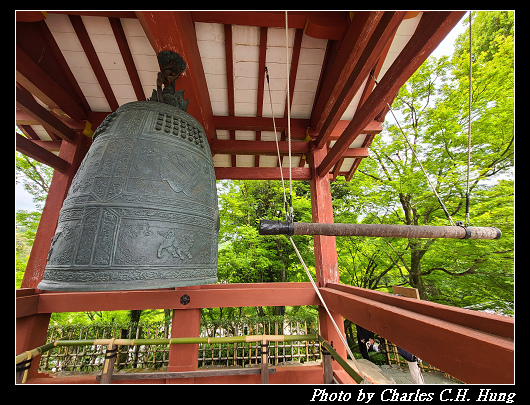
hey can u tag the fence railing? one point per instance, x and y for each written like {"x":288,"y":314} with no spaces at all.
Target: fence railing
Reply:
{"x":249,"y":354}
{"x":90,"y":358}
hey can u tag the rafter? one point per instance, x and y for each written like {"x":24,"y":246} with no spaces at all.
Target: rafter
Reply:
{"x":176,"y":31}
{"x":50,"y":122}
{"x":366,"y":59}
{"x":121,"y":40}
{"x":94,"y":61}
{"x":229,"y":58}
{"x":34,"y":151}
{"x":261,"y":81}
{"x":63,"y":66}
{"x":297,"y":46}
{"x":355,"y":39}
{"x":432,"y":29}
{"x":33,"y":78}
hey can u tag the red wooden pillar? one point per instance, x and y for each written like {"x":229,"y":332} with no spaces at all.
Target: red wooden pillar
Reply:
{"x":326,"y":263}
{"x":31,"y":330}
{"x":73,"y":153}
{"x":185,"y":323}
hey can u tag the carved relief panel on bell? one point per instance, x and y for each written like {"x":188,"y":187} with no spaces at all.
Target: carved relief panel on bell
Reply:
{"x":142,"y":209}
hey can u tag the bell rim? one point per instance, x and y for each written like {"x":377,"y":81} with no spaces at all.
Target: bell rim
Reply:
{"x":50,"y":285}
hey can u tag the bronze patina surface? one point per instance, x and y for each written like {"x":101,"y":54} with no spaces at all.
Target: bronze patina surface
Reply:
{"x":142,"y":211}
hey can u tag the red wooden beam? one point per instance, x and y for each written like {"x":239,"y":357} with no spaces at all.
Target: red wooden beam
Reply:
{"x":260,"y":173}
{"x":297,"y":45}
{"x":73,"y":153}
{"x":298,"y":126}
{"x":26,"y":103}
{"x":63,"y":66}
{"x":366,"y":93}
{"x":230,"y":81}
{"x":432,"y":332}
{"x":207,"y":296}
{"x":102,"y":13}
{"x":229,"y":68}
{"x":373,"y":128}
{"x":176,"y":31}
{"x":93,"y":59}
{"x":26,"y":129}
{"x":261,"y":81}
{"x":49,"y":145}
{"x":121,"y":40}
{"x":321,"y":24}
{"x":34,"y":151}
{"x":269,"y":148}
{"x":283,"y":375}
{"x":432,"y":29}
{"x":256,"y":147}
{"x":33,"y":78}
{"x":366,"y":58}
{"x":355,"y":39}
{"x":30,"y":16}
{"x":325,"y":251}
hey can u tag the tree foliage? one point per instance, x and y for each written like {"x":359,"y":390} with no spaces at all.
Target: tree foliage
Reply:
{"x":432,"y":110}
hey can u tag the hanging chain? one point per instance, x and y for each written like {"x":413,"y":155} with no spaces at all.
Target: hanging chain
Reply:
{"x":277,"y":147}
{"x":466,"y":221}
{"x":288,"y":101}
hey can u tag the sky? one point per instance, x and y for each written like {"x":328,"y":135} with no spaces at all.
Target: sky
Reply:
{"x":446,"y":47}
{"x":24,"y":200}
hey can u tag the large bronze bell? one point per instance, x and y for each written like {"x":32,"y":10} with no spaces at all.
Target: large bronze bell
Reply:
{"x":141,"y":212}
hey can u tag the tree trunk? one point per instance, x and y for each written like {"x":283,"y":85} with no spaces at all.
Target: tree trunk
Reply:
{"x":135,"y":314}
{"x":415,"y":278}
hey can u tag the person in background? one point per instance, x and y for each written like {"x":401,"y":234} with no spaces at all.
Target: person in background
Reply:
{"x":365,"y":338}
{"x":414,"y":368}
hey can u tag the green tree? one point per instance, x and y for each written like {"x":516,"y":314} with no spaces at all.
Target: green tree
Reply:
{"x":432,"y":109}
{"x":244,"y":255}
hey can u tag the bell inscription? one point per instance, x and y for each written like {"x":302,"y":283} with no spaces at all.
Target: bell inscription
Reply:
{"x":141,"y":212}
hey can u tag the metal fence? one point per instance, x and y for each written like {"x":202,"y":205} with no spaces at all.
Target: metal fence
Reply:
{"x":90,"y":358}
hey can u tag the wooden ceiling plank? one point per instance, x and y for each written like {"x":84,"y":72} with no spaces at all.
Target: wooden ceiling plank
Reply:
{"x":432,"y":29}
{"x":126,"y":54}
{"x":94,"y":61}
{"x":176,"y":31}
